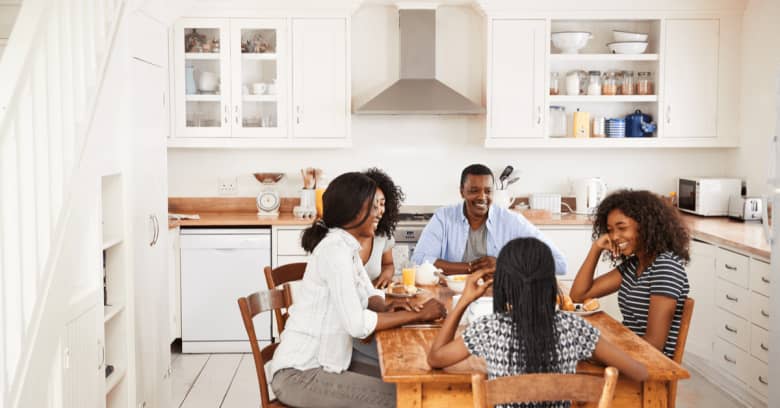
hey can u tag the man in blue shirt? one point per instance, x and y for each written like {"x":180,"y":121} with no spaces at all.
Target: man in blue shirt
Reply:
{"x":465,"y":237}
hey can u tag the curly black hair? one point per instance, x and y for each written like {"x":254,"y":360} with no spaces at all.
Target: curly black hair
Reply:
{"x":394,"y":196}
{"x":661,"y":228}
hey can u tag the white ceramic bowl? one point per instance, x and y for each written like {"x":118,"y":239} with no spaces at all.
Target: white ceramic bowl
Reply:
{"x":456,"y":282}
{"x":627,"y":47}
{"x":480,"y":307}
{"x":620,"y":36}
{"x":570,"y":42}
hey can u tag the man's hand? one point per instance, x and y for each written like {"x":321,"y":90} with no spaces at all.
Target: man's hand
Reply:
{"x":486,"y":262}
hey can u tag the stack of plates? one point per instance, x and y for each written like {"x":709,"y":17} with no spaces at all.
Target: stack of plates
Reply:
{"x":616,"y":128}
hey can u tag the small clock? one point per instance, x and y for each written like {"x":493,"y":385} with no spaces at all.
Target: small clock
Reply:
{"x":268,"y":203}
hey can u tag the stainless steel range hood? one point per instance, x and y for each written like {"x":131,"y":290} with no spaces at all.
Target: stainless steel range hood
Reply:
{"x":418,"y":92}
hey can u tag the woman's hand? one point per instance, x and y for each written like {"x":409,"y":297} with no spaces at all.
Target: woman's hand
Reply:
{"x":402,"y":304}
{"x":606,"y":244}
{"x":384,"y":279}
{"x":477,"y":284}
{"x":432,"y":310}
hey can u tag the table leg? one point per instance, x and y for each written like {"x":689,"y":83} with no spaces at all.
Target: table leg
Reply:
{"x":408,"y":395}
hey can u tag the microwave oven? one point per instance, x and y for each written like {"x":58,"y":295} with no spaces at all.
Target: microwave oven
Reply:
{"x":708,"y":196}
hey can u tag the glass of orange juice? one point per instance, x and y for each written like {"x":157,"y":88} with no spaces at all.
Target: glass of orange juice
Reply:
{"x":407,"y":276}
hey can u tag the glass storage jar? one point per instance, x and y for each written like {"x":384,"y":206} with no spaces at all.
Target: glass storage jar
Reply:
{"x":557,"y":121}
{"x":609,"y":84}
{"x":644,"y":83}
{"x":594,"y":83}
{"x":627,"y":86}
{"x":554,"y":84}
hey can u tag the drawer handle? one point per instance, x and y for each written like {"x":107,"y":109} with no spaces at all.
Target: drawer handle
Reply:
{"x":733,"y":299}
{"x":731,"y":268}
{"x":729,"y":328}
{"x":762,"y":380}
{"x":764,"y":347}
{"x":764,"y":279}
{"x":729,"y":359}
{"x":764,"y":313}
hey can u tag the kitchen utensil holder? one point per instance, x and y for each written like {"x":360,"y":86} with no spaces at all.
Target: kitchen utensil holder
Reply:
{"x":308,"y":199}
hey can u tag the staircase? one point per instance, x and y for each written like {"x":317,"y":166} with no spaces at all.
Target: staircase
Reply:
{"x":52,"y":68}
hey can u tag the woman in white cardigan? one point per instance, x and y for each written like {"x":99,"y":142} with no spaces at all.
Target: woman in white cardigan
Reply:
{"x":334,"y":303}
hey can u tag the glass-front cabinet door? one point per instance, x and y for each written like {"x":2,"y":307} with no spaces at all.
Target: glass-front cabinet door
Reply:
{"x":202,"y":78}
{"x":258,"y":52}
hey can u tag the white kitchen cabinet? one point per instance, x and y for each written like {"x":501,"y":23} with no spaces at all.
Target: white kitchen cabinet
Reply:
{"x":174,"y":283}
{"x":702,"y":289}
{"x":83,"y":362}
{"x":281,"y":82}
{"x":516,"y":80}
{"x":286,"y":245}
{"x":575,"y":243}
{"x":690,"y":107}
{"x":320,"y":81}
{"x":148,"y":210}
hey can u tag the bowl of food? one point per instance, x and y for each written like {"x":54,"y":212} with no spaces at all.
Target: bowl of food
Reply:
{"x":621,"y":36}
{"x":627,"y":47}
{"x":456,"y":282}
{"x":570,"y":42}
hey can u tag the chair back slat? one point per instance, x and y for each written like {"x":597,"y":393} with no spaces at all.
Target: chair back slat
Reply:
{"x":279,"y":276}
{"x":545,"y":387}
{"x":251,"y":306}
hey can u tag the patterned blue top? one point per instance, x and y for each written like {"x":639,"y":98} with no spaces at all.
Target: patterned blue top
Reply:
{"x":447,"y":232}
{"x":489,"y":337}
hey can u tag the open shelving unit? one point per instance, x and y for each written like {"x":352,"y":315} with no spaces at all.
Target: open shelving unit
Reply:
{"x":595,"y":56}
{"x":117,"y":321}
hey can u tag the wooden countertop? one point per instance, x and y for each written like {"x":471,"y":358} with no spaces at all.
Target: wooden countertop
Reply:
{"x":232,"y":212}
{"x":744,"y":236}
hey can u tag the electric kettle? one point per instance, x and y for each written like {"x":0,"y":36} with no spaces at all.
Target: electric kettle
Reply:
{"x":588,"y":193}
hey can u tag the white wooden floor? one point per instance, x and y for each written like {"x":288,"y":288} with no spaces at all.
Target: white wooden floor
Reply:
{"x":229,"y":381}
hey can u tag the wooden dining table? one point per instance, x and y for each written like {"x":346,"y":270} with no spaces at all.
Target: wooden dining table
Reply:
{"x":403,"y":356}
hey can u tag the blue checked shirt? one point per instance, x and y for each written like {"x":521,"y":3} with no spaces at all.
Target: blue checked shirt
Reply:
{"x":446,"y":234}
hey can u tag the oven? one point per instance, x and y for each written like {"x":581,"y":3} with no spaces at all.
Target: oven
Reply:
{"x":412,"y":221}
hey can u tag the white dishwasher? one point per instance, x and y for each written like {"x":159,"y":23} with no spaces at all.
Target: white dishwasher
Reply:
{"x":217,"y":267}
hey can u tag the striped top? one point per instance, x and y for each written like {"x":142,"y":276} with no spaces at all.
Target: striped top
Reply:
{"x":666,"y":277}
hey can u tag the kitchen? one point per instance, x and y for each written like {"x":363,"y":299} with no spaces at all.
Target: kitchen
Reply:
{"x":425,"y":153}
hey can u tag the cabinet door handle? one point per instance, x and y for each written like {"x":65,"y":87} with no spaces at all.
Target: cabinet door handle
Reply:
{"x":538,"y":115}
{"x":764,"y":279}
{"x":729,"y":328}
{"x":227,"y":113}
{"x":764,"y":313}
{"x":731,"y":268}
{"x":733,"y":299}
{"x":235,"y":113}
{"x":156,"y":225}
{"x":668,"y":114}
{"x":764,"y":347}
{"x":762,"y":380}
{"x":298,"y":114}
{"x":729,"y":359}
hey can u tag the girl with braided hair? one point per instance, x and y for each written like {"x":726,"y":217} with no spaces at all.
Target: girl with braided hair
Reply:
{"x":525,"y":333}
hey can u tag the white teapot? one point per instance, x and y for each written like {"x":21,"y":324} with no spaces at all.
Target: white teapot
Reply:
{"x":426,"y":274}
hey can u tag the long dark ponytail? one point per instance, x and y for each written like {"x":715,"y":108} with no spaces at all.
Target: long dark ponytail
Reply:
{"x":342,"y":203}
{"x":525,"y":288}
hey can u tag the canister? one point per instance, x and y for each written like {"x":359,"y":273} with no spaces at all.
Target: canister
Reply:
{"x":581,"y":128}
{"x":599,"y":127}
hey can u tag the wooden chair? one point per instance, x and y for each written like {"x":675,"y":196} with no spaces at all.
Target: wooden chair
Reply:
{"x":279,"y":276}
{"x":545,"y":387}
{"x":682,"y":337}
{"x":250,"y":307}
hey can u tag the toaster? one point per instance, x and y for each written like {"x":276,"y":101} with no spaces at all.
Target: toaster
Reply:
{"x":745,"y":208}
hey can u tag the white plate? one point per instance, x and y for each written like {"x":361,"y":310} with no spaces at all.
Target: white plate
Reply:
{"x":420,"y":291}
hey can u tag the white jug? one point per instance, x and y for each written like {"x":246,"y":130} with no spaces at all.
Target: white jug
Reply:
{"x":426,"y":274}
{"x":588,"y":193}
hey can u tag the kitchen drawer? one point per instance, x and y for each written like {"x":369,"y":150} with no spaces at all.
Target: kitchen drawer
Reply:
{"x":758,"y":376}
{"x":731,"y":359}
{"x":701,"y":248}
{"x":288,"y":242}
{"x":759,"y":310}
{"x":759,"y":343}
{"x":284,"y":260}
{"x":759,"y":276}
{"x":733,"y":267}
{"x":734,"y":329}
{"x":732,"y":298}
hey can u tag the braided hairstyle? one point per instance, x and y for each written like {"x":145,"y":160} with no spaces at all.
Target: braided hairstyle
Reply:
{"x":525,"y":288}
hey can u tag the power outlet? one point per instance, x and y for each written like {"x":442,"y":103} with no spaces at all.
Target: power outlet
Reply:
{"x":227,"y":186}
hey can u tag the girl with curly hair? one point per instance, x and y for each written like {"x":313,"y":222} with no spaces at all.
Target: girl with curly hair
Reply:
{"x":377,"y":252}
{"x":650,"y":242}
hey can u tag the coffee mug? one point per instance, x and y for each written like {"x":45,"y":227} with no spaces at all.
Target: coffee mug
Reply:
{"x":259,"y":88}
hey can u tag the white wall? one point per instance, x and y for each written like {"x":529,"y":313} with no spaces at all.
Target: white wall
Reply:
{"x":425,"y":154}
{"x":760,"y":66}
